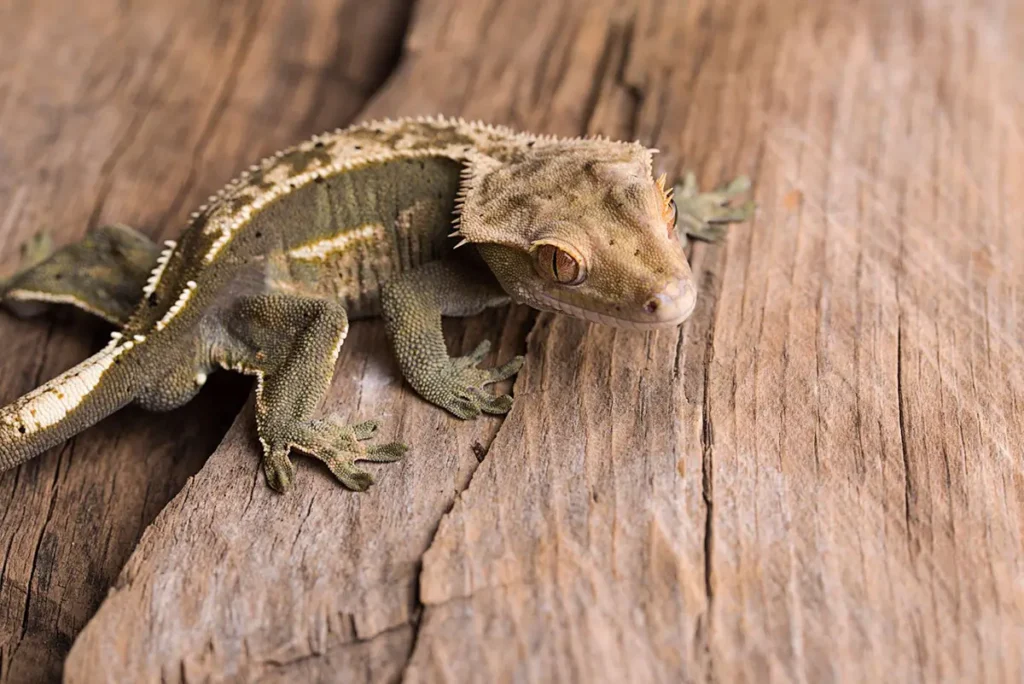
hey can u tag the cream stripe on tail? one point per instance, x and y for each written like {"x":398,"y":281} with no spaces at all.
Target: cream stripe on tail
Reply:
{"x":68,"y":404}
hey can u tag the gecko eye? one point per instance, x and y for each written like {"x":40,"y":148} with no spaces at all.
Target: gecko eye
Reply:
{"x":558,"y":265}
{"x":673,"y":213}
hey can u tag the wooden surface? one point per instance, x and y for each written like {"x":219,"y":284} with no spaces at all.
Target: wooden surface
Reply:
{"x":819,"y":477}
{"x":136,"y":112}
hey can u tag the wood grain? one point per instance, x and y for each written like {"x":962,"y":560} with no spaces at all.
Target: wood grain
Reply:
{"x":819,"y":477}
{"x":134,"y":112}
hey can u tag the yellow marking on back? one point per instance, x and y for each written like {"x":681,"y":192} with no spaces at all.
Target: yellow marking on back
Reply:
{"x":317,"y":251}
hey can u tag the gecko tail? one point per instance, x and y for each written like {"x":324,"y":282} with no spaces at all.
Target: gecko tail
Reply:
{"x":73,"y":401}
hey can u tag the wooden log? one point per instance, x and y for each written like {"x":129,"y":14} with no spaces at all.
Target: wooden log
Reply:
{"x":820,"y":476}
{"x":135,"y":112}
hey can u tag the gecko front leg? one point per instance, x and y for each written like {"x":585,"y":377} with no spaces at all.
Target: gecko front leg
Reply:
{"x":413,"y":304}
{"x":291,"y":344}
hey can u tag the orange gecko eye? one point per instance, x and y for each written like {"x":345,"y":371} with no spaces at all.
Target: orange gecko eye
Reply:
{"x":558,"y":265}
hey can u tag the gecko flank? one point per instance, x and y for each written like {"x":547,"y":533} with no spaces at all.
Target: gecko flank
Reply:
{"x":353,"y":224}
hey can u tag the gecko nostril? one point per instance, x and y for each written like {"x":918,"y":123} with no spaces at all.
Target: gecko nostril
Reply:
{"x":652,"y":305}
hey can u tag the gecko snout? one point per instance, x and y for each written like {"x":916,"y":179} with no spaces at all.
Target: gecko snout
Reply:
{"x":673,"y":304}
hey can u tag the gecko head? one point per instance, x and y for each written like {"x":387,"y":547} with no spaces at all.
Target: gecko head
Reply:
{"x":581,"y":227}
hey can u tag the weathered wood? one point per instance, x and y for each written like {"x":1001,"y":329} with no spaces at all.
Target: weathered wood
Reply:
{"x":820,"y":476}
{"x":133,"y":112}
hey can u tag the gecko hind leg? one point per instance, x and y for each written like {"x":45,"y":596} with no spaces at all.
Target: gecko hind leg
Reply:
{"x":703,"y":215}
{"x":291,"y":343}
{"x":103,"y":274}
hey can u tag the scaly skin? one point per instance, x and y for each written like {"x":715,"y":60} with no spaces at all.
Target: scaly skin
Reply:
{"x":352,"y":224}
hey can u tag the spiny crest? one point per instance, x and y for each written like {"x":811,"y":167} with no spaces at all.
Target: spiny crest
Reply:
{"x":161,"y":264}
{"x":475,"y":168}
{"x":667,"y":210}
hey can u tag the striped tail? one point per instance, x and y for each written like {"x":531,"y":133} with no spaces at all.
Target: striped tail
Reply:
{"x":68,"y":404}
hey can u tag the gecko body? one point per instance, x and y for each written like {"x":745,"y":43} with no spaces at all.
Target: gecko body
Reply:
{"x":410,"y":220}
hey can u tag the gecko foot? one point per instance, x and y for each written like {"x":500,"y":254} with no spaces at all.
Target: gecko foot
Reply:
{"x":703,"y":215}
{"x":458,"y":385}
{"x":33,"y":251}
{"x":337,"y":446}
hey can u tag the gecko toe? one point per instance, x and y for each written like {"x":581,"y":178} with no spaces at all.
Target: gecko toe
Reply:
{"x":507,"y":369}
{"x":365,"y":430}
{"x":348,"y":474}
{"x":385,"y":453}
{"x":499,"y":405}
{"x":279,"y":470}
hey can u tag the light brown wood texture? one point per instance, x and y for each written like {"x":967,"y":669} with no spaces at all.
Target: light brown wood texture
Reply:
{"x":819,"y":477}
{"x":135,"y":112}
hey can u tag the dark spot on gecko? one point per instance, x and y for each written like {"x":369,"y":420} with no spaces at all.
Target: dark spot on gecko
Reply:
{"x":636,"y":253}
{"x":152,"y":299}
{"x":611,"y":243}
{"x":59,"y":276}
{"x":318,"y":179}
{"x":259,"y":234}
{"x":319,"y":144}
{"x":21,"y":429}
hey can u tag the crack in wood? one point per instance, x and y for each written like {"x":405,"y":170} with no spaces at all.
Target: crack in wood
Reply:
{"x":707,"y":441}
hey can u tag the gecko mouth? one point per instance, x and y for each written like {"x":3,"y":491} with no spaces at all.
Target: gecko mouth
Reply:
{"x":679,"y":309}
